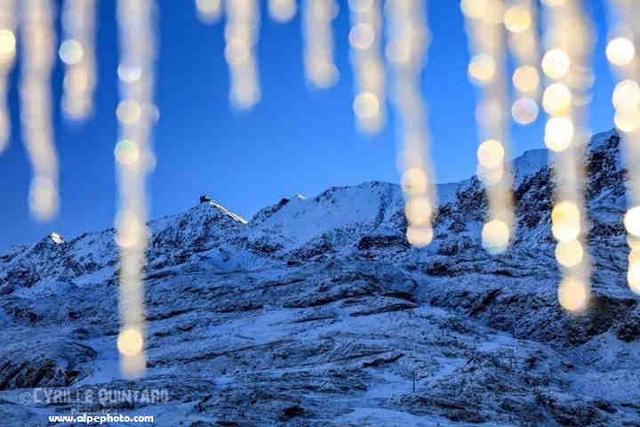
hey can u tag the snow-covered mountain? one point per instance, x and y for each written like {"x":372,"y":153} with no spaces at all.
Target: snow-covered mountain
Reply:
{"x":316,"y":312}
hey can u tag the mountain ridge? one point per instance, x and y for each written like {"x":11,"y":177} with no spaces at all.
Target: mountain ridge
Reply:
{"x":317,"y":312}
{"x":530,"y":158}
{"x":368,"y":215}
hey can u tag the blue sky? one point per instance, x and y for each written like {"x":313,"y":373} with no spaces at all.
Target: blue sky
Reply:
{"x":297,"y":140}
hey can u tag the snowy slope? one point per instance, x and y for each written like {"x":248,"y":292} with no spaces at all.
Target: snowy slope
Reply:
{"x":344,"y":213}
{"x":316,"y":312}
{"x":529,"y":163}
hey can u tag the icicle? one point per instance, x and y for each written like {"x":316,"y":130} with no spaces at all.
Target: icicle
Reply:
{"x":134,"y":159}
{"x":7,"y":59}
{"x":320,"y":69}
{"x":568,"y":45}
{"x":209,"y":11}
{"x":77,"y":52}
{"x":38,"y":40}
{"x":622,"y":53}
{"x":241,"y":34}
{"x":282,"y":10}
{"x":484,"y":21}
{"x":407,"y":42}
{"x":368,"y":69}
{"x":520,"y":21}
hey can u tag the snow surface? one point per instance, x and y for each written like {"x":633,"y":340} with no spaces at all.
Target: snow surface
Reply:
{"x":315,"y":312}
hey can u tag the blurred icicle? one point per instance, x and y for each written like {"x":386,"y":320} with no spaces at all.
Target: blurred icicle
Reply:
{"x":77,"y":52}
{"x":134,"y":159}
{"x":7,"y":59}
{"x":38,"y":41}
{"x":282,"y":10}
{"x":209,"y":11}
{"x":487,"y":69}
{"x":520,"y":19}
{"x":368,"y":68}
{"x":568,"y":44}
{"x":320,"y":68}
{"x":241,"y":35}
{"x":622,"y":53}
{"x":408,"y":39}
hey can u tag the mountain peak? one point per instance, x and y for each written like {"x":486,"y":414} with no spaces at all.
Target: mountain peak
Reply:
{"x":528,"y":163}
{"x":56,"y":238}
{"x":601,"y":140}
